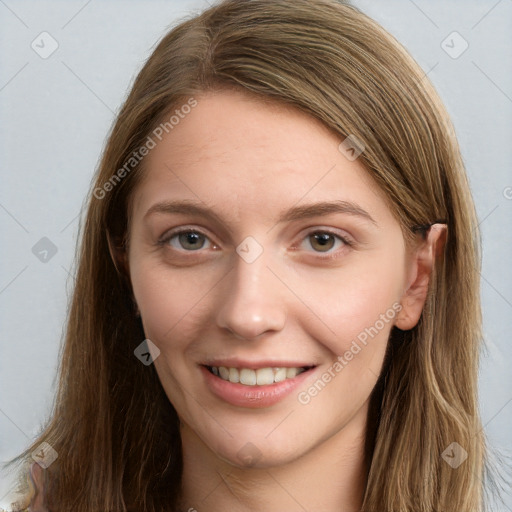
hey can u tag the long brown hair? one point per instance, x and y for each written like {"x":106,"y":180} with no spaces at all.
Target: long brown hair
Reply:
{"x":114,"y":430}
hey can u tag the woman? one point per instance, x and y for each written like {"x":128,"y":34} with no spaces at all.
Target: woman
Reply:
{"x":276,"y":302}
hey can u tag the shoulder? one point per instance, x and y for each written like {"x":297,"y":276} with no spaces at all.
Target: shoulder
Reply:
{"x":36,"y":475}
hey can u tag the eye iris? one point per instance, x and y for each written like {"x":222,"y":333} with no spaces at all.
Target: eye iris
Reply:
{"x":191,"y":240}
{"x":322,"y":241}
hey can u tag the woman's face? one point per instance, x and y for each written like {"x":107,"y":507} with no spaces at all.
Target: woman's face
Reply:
{"x":259,"y":250}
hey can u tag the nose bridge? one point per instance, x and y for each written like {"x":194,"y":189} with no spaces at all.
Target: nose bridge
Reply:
{"x":252,"y":301}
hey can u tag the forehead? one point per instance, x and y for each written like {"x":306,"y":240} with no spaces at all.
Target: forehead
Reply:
{"x":247,"y":156}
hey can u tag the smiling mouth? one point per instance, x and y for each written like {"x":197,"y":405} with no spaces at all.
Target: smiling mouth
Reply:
{"x":259,"y":377}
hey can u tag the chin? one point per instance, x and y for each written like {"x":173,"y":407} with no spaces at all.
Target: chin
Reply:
{"x":253,"y":456}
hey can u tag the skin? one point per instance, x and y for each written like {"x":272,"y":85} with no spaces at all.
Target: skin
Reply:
{"x":247,"y":162}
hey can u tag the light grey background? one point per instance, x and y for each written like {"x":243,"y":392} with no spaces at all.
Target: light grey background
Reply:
{"x":56,"y":112}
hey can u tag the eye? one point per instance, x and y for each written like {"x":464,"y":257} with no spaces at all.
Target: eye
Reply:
{"x":324,"y":241}
{"x":187,"y":240}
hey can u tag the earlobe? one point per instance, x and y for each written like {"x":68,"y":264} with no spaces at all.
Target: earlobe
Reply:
{"x":415,"y":295}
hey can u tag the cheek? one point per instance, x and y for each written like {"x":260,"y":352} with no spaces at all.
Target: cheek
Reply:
{"x":360,"y":306}
{"x":355,"y":302}
{"x":173,"y":306}
{"x":171,"y":301}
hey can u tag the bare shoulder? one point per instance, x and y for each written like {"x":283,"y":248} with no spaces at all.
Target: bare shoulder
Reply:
{"x":36,"y":475}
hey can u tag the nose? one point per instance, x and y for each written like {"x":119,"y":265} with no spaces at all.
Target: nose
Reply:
{"x":252,"y":301}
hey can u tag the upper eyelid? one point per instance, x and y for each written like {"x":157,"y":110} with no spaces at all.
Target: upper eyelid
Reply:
{"x":332,"y":231}
{"x":182,"y":229}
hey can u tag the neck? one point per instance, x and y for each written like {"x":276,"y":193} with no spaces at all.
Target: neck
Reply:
{"x":330,"y":477}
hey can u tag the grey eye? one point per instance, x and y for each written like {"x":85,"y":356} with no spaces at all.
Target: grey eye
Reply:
{"x":188,"y":240}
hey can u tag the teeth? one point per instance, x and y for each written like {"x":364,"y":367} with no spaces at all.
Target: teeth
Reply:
{"x":291,"y":372}
{"x":234,"y":375}
{"x":264,"y":376}
{"x":260,"y":377}
{"x":280,"y":375}
{"x":247,"y":377}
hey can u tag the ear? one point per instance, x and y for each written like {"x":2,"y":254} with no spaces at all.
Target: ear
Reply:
{"x":119,"y":255}
{"x":117,"y":249}
{"x":423,"y":260}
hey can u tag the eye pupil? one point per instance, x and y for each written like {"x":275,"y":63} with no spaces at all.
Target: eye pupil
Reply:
{"x":322,"y":241}
{"x":191,"y":240}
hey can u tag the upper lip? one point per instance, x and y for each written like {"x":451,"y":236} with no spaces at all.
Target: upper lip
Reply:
{"x":267,"y":363}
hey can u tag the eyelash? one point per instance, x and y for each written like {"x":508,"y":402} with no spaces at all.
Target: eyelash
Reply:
{"x":165,"y":239}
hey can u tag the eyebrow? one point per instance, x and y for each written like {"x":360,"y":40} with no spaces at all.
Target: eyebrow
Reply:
{"x":295,"y":213}
{"x":325,"y":208}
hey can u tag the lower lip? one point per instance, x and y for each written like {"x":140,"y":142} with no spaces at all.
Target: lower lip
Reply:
{"x":253,"y":397}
